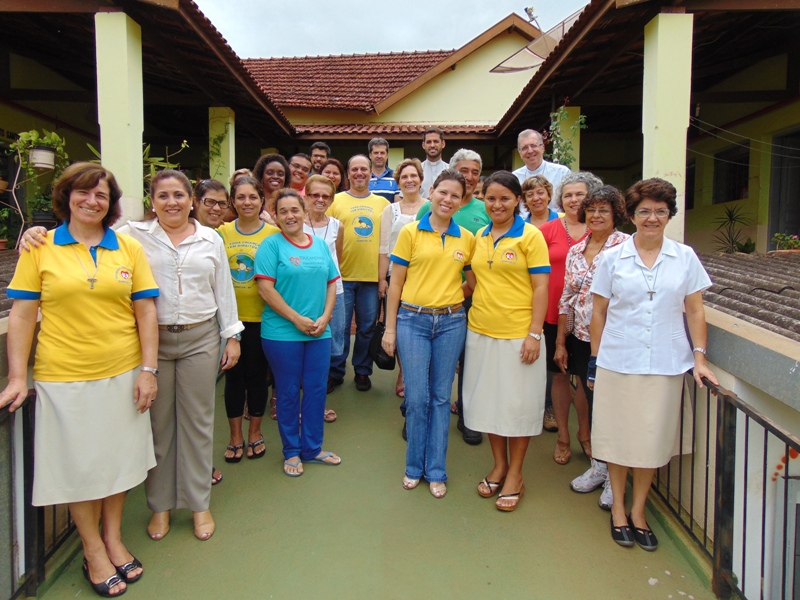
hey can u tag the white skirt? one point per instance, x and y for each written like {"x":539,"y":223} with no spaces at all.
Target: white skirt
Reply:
{"x":502,"y":395}
{"x":90,"y":441}
{"x":636,"y":419}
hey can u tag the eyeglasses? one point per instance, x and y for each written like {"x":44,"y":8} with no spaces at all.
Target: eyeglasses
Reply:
{"x":603,"y":212}
{"x":529,"y":147}
{"x":319,"y":196}
{"x":211,"y":203}
{"x":644,"y":213}
{"x":302,"y":168}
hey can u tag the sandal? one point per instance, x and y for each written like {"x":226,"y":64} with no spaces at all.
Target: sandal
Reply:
{"x":454,"y":408}
{"x":103,"y":589}
{"x":409,"y":484}
{"x":329,"y":415}
{"x":236,"y":456}
{"x":123,"y":570}
{"x":204,"y":526}
{"x":487,"y":489}
{"x":438,"y":489}
{"x":515,"y":497}
{"x":253,"y":445}
{"x":400,"y":392}
{"x":295,"y":464}
{"x":562,"y":453}
{"x":326,"y":458}
{"x":216,"y":476}
{"x":586,"y":445}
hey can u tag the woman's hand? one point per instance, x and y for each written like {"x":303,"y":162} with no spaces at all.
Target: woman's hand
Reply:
{"x":561,"y":357}
{"x":701,"y":370}
{"x":319,"y":327}
{"x":388,"y":342}
{"x":304,"y":325}
{"x":383,"y":287}
{"x":267,"y":218}
{"x":530,"y":350}
{"x":231,"y":355}
{"x":144,"y":391}
{"x":32,"y":238}
{"x":14,"y":395}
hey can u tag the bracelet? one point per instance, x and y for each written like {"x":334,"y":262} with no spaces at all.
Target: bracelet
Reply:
{"x":700,"y":350}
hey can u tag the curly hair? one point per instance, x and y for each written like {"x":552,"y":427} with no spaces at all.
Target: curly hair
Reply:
{"x":605,"y":194}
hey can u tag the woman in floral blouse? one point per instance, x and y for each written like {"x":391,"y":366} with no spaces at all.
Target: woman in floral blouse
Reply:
{"x":603,"y":210}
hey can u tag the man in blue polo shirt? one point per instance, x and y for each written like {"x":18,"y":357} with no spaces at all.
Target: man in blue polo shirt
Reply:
{"x":381,"y":182}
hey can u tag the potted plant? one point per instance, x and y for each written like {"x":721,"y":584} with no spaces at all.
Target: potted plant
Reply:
{"x":31,"y":148}
{"x":786,"y":243}
{"x":5,"y":215}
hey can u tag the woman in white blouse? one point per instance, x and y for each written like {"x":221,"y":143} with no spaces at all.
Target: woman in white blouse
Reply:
{"x":640,"y":352}
{"x":197,"y":306}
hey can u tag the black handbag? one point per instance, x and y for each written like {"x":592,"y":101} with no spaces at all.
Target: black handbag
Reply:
{"x":376,"y":351}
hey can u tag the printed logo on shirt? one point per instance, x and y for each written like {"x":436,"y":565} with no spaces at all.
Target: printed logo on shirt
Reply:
{"x":509,"y":256}
{"x":295,"y":260}
{"x":363,"y":226}
{"x":458,"y":256}
{"x":242,"y":267}
{"x":123,"y":275}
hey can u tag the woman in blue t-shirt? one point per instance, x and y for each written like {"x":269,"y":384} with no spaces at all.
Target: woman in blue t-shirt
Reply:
{"x":296,"y":278}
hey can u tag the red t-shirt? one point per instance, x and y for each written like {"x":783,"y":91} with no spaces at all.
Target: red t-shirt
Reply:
{"x":558,"y":245}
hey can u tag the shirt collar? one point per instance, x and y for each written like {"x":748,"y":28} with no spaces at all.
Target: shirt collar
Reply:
{"x":517,"y":229}
{"x":425,"y":225}
{"x":63,"y":237}
{"x":668,"y":248}
{"x":387,"y":173}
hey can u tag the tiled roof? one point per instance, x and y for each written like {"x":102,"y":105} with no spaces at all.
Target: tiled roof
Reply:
{"x":759,"y":289}
{"x":370,"y":129}
{"x":350,"y":82}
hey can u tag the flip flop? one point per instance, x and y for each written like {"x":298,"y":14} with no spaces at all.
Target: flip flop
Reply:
{"x":321,"y":459}
{"x":235,"y":449}
{"x":215,"y":480}
{"x":288,"y":463}
{"x":254,"y":445}
{"x":493,"y":486}
{"x":329,"y":416}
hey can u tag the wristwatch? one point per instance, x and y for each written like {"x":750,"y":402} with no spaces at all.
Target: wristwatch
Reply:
{"x":536,"y":336}
{"x":700,"y":350}
{"x":152,"y":370}
{"x":236,"y":336}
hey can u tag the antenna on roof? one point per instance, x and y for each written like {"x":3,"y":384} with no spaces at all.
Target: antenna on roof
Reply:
{"x":529,"y":10}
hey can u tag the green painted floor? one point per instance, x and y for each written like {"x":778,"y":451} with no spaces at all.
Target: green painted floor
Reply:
{"x":353,"y":532}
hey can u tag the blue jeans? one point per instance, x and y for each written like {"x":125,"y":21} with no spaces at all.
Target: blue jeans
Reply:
{"x":430,"y":346}
{"x":296,"y":365}
{"x":338,"y":326}
{"x":361,"y":297}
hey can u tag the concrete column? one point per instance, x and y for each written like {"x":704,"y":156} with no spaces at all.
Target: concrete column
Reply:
{"x":221,"y":143}
{"x":665,"y":104}
{"x":572,"y":135}
{"x":120,"y":105}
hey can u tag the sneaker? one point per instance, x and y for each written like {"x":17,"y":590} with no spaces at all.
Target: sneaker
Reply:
{"x":363,"y":384}
{"x":471,"y":437}
{"x":606,"y":497}
{"x":550,"y":419}
{"x":332,"y":383}
{"x":590,"y":480}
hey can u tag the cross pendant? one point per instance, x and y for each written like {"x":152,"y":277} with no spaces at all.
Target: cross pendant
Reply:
{"x":91,"y":281}
{"x":490,"y":263}
{"x":650,"y":293}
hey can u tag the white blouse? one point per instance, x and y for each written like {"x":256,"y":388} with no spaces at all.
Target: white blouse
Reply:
{"x":329,"y":233}
{"x":644,"y":332}
{"x":204,"y":288}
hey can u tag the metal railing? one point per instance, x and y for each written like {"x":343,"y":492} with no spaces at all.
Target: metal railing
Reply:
{"x":735,"y":489}
{"x":32,"y":533}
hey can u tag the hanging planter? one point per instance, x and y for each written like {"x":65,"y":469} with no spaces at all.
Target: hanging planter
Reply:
{"x":42,"y":157}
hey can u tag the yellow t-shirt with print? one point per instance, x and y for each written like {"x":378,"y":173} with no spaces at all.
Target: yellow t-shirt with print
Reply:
{"x":88,"y":329}
{"x":434,"y":262}
{"x":361,"y":221}
{"x":241,"y":251}
{"x":501,"y":303}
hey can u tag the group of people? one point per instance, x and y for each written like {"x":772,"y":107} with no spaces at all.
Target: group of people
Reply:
{"x":470,"y":273}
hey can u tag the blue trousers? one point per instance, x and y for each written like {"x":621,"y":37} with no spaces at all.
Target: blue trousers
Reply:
{"x":299,"y":365}
{"x":361,"y":298}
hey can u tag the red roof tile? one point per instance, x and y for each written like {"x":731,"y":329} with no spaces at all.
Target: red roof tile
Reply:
{"x":349,"y":82}
{"x":391,"y":129}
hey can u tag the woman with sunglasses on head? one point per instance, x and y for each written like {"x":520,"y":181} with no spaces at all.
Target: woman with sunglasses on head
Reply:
{"x":640,"y":352}
{"x":247,"y":381}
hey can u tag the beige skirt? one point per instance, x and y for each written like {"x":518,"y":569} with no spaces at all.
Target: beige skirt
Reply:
{"x":636,"y":419}
{"x":502,"y":395}
{"x":90,"y":440}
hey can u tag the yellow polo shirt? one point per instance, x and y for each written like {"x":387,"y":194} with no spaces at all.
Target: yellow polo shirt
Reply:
{"x":434,"y":262}
{"x":501,"y":303}
{"x":86,"y":333}
{"x":361,"y":220}
{"x":241,"y":251}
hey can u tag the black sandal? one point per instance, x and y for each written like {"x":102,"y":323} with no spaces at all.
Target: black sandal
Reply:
{"x":622,"y":534}
{"x":254,"y":445}
{"x":644,"y":536}
{"x":127,"y":568}
{"x":103,"y":589}
{"x":235,"y":449}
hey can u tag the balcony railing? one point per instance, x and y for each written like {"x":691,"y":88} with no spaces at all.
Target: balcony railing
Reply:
{"x":735,"y":490}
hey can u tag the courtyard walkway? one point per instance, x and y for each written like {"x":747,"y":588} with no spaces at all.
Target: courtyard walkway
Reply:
{"x":353,"y":532}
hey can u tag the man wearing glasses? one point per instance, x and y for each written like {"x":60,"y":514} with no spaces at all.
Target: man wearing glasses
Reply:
{"x":530,"y":146}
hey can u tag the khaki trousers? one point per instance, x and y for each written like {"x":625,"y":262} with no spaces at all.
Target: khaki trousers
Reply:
{"x":182,"y":417}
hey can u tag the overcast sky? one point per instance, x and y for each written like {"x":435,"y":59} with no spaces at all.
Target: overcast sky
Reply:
{"x":265,"y":28}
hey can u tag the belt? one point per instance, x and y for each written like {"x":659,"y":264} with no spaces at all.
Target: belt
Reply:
{"x":431,"y":311}
{"x":179,"y":328}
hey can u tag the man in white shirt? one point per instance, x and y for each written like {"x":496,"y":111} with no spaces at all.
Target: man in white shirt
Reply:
{"x":530,"y":146}
{"x":433,"y":143}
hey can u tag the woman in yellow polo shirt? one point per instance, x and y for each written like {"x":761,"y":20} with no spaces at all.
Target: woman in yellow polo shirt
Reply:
{"x":426,"y":322}
{"x":95,"y":368}
{"x":504,"y":382}
{"x":247,"y":381}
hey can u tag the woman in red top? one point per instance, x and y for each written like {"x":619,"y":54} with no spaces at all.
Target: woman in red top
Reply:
{"x":560,"y":235}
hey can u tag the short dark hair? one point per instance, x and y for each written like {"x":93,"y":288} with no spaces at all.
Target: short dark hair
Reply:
{"x":289,"y":193}
{"x":320,"y":146}
{"x":451,"y":175}
{"x":656,"y":189}
{"x":378,"y":141}
{"x":247,"y":180}
{"x":208,"y":185}
{"x":605,"y":194}
{"x":264,"y":160}
{"x":170,"y":174}
{"x":302,"y":155}
{"x":508,"y":180}
{"x":344,"y":183}
{"x":435,"y":130}
{"x":86,"y":176}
